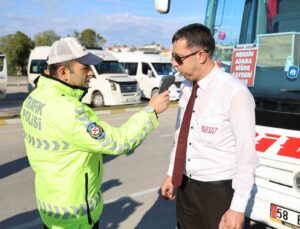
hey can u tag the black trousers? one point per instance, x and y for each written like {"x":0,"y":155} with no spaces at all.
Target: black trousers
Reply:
{"x":96,"y":226}
{"x":200,"y":205}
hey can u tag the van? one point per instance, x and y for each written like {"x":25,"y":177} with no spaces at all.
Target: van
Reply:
{"x":109,"y":86}
{"x":36,"y":64}
{"x":148,"y":68}
{"x":3,"y":76}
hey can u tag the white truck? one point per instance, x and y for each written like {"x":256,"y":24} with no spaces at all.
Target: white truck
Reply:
{"x":3,"y":76}
{"x":148,"y":68}
{"x":273,"y":27}
{"x":110,"y":85}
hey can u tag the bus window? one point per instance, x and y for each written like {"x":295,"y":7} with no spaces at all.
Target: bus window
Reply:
{"x":131,"y":68}
{"x":273,"y":16}
{"x":38,"y":66}
{"x":229,"y":22}
{"x":1,"y":63}
{"x":145,"y":68}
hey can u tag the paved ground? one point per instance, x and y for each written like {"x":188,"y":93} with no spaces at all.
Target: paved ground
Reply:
{"x":17,"y":92}
{"x":127,"y":204}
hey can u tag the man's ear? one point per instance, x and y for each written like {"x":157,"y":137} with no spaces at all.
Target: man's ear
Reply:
{"x":63,"y":73}
{"x":202,"y":57}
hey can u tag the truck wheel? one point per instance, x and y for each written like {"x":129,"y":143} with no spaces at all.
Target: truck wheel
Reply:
{"x":97,"y":99}
{"x":154,"y":91}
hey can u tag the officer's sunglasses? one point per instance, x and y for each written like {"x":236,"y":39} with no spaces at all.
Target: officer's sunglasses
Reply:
{"x":179,"y":59}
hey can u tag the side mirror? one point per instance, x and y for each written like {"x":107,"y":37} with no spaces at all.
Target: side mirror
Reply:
{"x":150,"y":73}
{"x":126,"y":70}
{"x":162,"y":6}
{"x":221,"y":35}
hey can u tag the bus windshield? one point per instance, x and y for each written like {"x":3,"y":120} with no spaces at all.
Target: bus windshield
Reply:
{"x":268,"y":17}
{"x":163,"y":68}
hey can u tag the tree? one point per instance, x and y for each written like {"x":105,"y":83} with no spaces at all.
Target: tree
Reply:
{"x":46,"y":38}
{"x":223,"y":52}
{"x":17,"y":49}
{"x":90,"y":38}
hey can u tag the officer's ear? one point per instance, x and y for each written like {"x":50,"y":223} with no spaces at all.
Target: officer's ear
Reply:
{"x":63,"y":73}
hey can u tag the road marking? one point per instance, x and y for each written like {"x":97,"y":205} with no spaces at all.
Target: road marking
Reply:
{"x":133,"y":195}
{"x":166,"y":135}
{"x":10,"y":131}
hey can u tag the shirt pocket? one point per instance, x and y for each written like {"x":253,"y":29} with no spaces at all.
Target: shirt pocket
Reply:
{"x":210,"y":129}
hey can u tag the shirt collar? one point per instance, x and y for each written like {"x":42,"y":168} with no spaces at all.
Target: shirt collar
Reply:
{"x":204,"y":82}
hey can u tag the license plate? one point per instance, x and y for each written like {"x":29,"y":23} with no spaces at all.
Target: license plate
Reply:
{"x":285,"y":216}
{"x":130,"y":100}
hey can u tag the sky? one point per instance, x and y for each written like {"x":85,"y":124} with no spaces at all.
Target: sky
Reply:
{"x":120,"y":22}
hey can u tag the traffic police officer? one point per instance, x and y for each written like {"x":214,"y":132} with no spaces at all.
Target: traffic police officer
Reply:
{"x":65,"y":139}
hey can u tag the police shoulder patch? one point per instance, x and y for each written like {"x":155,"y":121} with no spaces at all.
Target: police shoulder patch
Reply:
{"x":95,"y":131}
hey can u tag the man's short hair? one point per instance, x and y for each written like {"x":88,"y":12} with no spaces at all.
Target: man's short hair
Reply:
{"x":196,"y":35}
{"x":52,"y":68}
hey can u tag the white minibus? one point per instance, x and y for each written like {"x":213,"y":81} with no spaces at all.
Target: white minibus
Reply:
{"x":148,"y":68}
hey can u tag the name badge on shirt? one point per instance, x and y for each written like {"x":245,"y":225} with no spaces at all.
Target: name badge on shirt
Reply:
{"x":209,"y":129}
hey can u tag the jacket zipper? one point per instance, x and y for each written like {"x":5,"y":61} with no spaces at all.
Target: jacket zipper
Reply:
{"x":86,"y":198}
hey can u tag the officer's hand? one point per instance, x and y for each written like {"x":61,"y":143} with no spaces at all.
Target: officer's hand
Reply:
{"x":160,"y":102}
{"x":167,"y":189}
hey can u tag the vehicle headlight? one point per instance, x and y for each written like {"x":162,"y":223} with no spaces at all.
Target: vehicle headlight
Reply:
{"x":113,"y":85}
{"x":137,"y":87}
{"x":297,"y":181}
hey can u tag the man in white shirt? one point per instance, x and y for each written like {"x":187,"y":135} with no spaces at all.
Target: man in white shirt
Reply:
{"x":219,"y":157}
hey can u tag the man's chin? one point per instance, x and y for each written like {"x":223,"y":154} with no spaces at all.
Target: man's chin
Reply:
{"x":86,"y":84}
{"x":187,"y":77}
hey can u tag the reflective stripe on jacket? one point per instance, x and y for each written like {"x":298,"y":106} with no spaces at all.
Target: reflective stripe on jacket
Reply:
{"x":65,"y":141}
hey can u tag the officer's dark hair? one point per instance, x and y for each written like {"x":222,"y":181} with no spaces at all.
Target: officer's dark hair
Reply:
{"x":52,"y":68}
{"x":196,"y":35}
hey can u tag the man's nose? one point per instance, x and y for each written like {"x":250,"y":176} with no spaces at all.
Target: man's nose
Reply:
{"x":89,"y":73}
{"x":174,"y":63}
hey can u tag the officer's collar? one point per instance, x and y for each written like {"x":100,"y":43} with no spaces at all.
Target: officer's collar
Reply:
{"x":64,"y":87}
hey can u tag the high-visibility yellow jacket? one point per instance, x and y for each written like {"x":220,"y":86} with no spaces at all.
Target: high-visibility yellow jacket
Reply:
{"x":65,"y":141}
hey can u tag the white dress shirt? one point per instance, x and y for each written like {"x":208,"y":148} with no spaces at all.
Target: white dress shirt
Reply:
{"x":221,"y":141}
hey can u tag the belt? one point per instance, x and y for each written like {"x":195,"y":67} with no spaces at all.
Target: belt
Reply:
{"x":187,"y":179}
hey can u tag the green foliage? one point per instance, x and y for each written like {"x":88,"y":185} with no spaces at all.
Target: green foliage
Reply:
{"x":46,"y":38}
{"x":223,"y":53}
{"x":90,"y":38}
{"x":17,"y":49}
{"x":17,"y":46}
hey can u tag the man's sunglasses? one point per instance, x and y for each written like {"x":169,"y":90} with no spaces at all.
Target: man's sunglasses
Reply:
{"x":180,"y":59}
